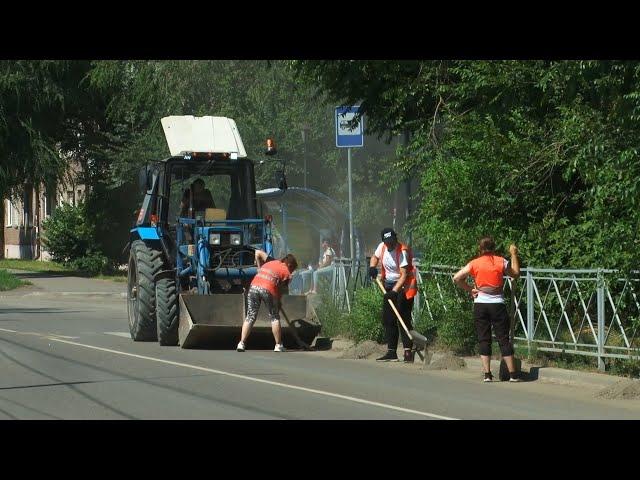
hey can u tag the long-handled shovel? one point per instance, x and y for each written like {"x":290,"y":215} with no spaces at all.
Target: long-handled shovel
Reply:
{"x":503,"y":375}
{"x":299,"y":341}
{"x":419,"y":340}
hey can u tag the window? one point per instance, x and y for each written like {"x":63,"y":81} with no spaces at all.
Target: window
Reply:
{"x":49,"y":203}
{"x":216,"y":193}
{"x":9,"y":209}
{"x":225,"y":187}
{"x":79,"y":195}
{"x":26,"y":208}
{"x":70,"y":197}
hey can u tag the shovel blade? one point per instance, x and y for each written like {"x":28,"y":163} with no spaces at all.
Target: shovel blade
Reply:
{"x":419,"y":340}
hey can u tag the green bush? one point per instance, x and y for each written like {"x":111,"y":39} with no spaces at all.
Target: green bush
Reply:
{"x":625,"y":367}
{"x":9,"y":281}
{"x":365,"y":319}
{"x":452,"y":322}
{"x":363,"y":323}
{"x":333,"y":321}
{"x":67,"y":236}
{"x":93,"y":264}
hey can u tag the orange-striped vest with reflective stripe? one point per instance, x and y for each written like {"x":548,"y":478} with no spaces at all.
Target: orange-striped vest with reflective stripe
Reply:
{"x":411,"y":283}
{"x":271,"y":275}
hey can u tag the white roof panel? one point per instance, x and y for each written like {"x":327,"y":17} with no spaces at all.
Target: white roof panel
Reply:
{"x":186,"y":133}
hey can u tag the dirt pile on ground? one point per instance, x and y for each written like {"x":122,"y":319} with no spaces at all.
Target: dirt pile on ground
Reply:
{"x":624,"y":389}
{"x":445,"y":361}
{"x":364,"y":350}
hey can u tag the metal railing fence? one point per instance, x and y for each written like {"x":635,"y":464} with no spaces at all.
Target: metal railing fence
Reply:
{"x":573,"y":311}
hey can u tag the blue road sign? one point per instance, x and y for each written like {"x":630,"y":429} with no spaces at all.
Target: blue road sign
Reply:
{"x":346,"y":136}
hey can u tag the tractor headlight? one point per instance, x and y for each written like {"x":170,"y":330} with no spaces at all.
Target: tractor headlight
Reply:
{"x":214,"y":239}
{"x":236,"y":239}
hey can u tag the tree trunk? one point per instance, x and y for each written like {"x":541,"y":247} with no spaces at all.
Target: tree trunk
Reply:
{"x":85,"y":177}
{"x":36,"y":222}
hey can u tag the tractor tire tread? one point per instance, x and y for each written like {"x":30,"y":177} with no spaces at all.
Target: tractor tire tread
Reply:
{"x":167,"y":312}
{"x":148,"y":262}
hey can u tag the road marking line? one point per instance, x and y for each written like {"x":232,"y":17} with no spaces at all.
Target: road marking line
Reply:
{"x":119,"y":334}
{"x":39,"y":334}
{"x":259,"y":380}
{"x":104,"y":294}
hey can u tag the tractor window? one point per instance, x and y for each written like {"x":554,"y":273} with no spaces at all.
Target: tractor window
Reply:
{"x":220,"y":188}
{"x":206,"y":189}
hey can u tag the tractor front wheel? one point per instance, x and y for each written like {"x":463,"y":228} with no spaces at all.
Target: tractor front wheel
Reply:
{"x":144,"y":263}
{"x":167,"y":311}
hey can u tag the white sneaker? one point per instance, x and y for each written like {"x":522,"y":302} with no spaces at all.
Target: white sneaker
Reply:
{"x":240,"y":347}
{"x":279,"y":348}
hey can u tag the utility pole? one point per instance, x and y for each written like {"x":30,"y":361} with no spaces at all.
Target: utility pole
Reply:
{"x":351,"y":245}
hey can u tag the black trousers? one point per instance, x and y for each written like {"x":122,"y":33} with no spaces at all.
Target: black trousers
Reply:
{"x":486,"y":315}
{"x":391,"y":323}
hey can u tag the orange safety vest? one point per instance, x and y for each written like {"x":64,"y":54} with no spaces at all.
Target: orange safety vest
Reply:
{"x":487,"y":271}
{"x":411,"y":283}
{"x":270,"y":275}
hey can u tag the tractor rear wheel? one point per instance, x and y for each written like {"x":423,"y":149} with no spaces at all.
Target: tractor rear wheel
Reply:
{"x":167,"y":311}
{"x":144,"y":263}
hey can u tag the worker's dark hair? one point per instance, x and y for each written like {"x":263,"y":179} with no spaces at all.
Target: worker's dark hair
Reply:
{"x":198,"y":180}
{"x":290,"y":261}
{"x":487,"y":245}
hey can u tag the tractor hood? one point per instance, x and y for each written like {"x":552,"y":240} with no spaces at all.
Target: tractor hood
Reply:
{"x":187,"y":134}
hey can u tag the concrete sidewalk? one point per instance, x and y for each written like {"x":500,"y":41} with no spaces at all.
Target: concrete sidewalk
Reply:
{"x":53,"y":284}
{"x":474,"y":364}
{"x":549,"y":374}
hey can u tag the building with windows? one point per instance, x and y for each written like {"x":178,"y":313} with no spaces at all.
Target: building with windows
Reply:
{"x":23,"y":217}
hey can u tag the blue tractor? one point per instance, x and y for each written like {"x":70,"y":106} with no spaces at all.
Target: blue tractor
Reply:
{"x":192,"y":250}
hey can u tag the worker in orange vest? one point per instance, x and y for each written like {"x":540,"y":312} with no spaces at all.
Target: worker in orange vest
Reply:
{"x":266,"y":288}
{"x":489,"y":309}
{"x":398,"y":277}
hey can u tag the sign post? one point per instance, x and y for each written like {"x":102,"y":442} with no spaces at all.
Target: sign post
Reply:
{"x":349,"y":134}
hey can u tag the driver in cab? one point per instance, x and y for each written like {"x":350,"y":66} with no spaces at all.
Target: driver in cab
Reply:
{"x":202,"y":199}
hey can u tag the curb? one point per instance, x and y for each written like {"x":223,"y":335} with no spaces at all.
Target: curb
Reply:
{"x":554,"y":375}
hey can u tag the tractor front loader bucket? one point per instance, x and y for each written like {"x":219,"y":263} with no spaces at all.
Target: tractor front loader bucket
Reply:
{"x":215,"y":321}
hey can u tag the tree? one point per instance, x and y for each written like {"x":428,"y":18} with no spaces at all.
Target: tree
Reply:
{"x":36,"y":102}
{"x":540,"y":152}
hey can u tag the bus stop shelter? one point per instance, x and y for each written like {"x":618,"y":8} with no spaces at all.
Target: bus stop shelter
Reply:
{"x":302,"y":217}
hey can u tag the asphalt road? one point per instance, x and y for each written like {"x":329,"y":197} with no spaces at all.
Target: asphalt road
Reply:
{"x":65,"y":353}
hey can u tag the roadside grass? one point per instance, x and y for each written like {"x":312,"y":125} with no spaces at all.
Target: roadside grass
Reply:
{"x":34,"y":266}
{"x":57,"y":269}
{"x":9,"y":281}
{"x":117,"y":277}
{"x":333,"y":321}
{"x":614,"y":366}
{"x":625,"y":368}
{"x":556,"y":359}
